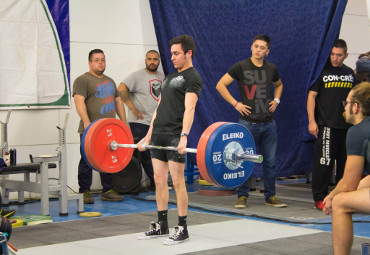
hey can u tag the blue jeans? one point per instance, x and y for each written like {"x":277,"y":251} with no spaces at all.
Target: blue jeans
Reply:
{"x":265,"y":137}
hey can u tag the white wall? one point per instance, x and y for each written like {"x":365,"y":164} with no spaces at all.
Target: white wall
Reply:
{"x":124,"y":30}
{"x":355,"y":30}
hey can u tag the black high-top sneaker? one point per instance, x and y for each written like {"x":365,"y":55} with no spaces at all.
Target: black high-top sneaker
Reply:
{"x":156,"y":229}
{"x":181,"y":235}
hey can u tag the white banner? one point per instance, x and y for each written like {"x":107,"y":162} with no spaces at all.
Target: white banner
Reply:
{"x":32,"y":67}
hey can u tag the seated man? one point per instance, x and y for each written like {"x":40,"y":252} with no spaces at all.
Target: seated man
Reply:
{"x":352,"y":195}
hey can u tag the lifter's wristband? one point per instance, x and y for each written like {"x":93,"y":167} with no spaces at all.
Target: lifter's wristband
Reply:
{"x":236,"y":104}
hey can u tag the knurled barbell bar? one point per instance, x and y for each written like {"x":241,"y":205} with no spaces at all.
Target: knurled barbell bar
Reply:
{"x":225,"y":152}
{"x":232,"y":154}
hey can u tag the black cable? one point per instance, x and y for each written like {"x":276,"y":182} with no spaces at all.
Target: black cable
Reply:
{"x":250,"y":215}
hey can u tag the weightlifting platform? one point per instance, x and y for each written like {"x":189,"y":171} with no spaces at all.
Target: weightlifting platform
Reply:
{"x":300,"y":208}
{"x":224,"y":232}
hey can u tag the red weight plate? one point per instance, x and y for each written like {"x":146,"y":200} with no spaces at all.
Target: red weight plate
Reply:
{"x":98,"y":150}
{"x":87,"y":142}
{"x":201,"y":151}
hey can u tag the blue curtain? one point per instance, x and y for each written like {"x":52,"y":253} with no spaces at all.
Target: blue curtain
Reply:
{"x":302,"y":33}
{"x":59,"y":10}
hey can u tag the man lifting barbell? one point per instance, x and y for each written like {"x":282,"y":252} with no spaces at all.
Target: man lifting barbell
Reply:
{"x":225,"y":152}
{"x":170,"y":126}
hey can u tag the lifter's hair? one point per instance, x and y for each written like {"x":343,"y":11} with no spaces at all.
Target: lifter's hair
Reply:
{"x":94,"y":52}
{"x":264,"y":38}
{"x":361,"y":96}
{"x":340,"y":43}
{"x":187,"y":43}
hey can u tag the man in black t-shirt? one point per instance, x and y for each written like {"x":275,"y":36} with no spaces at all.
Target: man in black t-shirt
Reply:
{"x":170,"y":126}
{"x":352,"y":195}
{"x":326,"y":123}
{"x":255,"y":76}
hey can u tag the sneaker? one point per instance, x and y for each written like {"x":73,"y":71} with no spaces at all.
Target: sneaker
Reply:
{"x":275,"y":202}
{"x":181,"y":235}
{"x":156,"y":229}
{"x":319,"y":205}
{"x":111,"y":195}
{"x":241,"y":202}
{"x":88,"y":199}
{"x":7,"y":213}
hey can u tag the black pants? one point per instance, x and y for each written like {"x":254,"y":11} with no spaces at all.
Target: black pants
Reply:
{"x":85,"y":177}
{"x":330,"y":146}
{"x":138,"y":131}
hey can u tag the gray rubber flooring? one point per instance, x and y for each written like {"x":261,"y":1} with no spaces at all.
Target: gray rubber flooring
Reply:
{"x":215,"y":227}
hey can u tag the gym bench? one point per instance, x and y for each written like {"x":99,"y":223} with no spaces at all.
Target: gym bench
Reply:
{"x":40,"y":166}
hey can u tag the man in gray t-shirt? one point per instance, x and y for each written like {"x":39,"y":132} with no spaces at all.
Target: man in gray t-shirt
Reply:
{"x":352,"y":194}
{"x":140,"y":91}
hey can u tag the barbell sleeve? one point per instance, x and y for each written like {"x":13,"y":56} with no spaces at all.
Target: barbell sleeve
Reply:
{"x":256,"y":158}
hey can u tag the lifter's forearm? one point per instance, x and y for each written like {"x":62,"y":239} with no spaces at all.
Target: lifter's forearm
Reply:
{"x":188,"y":120}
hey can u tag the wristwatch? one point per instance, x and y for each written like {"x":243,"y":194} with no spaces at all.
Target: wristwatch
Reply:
{"x":277,"y":100}
{"x":184,"y":134}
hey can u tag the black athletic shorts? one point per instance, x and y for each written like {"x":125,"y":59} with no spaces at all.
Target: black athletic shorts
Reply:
{"x":165,"y":155}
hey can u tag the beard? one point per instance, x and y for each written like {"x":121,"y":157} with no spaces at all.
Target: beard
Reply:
{"x":347,"y":117}
{"x":151,"y":68}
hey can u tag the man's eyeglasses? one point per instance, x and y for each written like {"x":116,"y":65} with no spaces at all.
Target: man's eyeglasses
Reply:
{"x":347,"y":102}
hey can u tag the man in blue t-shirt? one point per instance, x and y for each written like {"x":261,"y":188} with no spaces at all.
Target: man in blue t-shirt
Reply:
{"x":255,"y":76}
{"x":352,"y":195}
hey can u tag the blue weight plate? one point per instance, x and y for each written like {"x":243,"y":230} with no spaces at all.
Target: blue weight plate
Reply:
{"x":83,"y":144}
{"x":209,"y":153}
{"x":229,"y":137}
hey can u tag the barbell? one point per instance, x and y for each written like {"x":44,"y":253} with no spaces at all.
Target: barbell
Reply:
{"x":225,"y":153}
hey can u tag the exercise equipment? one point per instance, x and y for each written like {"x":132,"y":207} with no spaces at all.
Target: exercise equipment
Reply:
{"x":32,"y":220}
{"x":207,"y":189}
{"x":36,"y":175}
{"x":129,"y":179}
{"x":216,"y":193}
{"x":225,"y":152}
{"x":16,"y":223}
{"x":90,"y":214}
